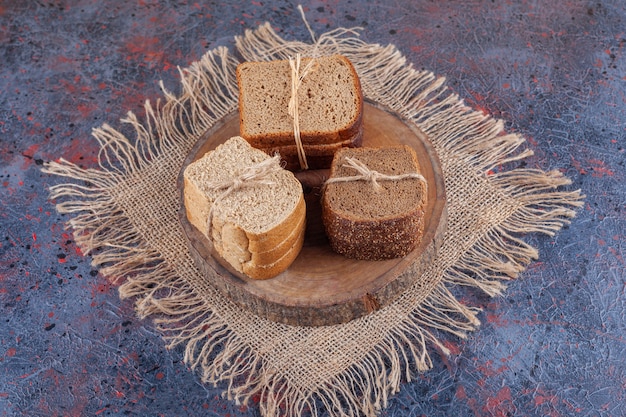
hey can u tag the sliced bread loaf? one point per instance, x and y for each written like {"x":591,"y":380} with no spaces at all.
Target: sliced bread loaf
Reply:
{"x":257,"y":225}
{"x":330,"y":102}
{"x":374,"y":220}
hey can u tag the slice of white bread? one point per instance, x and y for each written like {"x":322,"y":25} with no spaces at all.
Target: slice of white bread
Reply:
{"x":362,"y":222}
{"x":259,"y":228}
{"x":330,"y":102}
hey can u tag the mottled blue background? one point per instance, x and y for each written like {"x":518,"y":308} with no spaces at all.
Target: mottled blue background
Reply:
{"x":555,"y":72}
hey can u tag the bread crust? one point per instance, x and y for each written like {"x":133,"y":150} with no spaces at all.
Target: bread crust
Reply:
{"x":271,"y":270}
{"x":273,"y":246}
{"x":310,"y":137}
{"x":197,"y":205}
{"x":263,"y":242}
{"x":373,"y":240}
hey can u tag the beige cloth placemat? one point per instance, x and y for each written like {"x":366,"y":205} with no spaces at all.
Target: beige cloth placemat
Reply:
{"x":125,"y":217}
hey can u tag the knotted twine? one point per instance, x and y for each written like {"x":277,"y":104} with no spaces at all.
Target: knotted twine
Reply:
{"x":250,"y":176}
{"x":370,"y":175}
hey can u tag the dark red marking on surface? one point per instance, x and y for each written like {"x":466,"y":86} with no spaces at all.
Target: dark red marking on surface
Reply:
{"x":148,"y":50}
{"x":501,"y":405}
{"x":30,"y":152}
{"x":496,"y":319}
{"x":86,"y":109}
{"x":29,"y":155}
{"x":472,"y":402}
{"x":547,"y":402}
{"x":618,"y":255}
{"x":544,"y":399}
{"x":599,"y":168}
{"x":578,"y":166}
{"x":477,"y":102}
{"x":452,"y":347}
{"x":78,"y":153}
{"x":101,"y":288}
{"x":75,"y":86}
{"x":488,"y":369}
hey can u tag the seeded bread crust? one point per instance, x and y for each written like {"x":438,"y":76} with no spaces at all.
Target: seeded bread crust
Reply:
{"x":269,"y":103}
{"x":394,"y":224}
{"x":374,"y":240}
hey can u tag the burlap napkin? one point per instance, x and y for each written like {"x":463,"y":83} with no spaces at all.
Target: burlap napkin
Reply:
{"x":125,"y":217}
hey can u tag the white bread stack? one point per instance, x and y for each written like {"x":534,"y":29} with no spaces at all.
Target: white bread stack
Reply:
{"x":257,"y":228}
{"x":330,"y":108}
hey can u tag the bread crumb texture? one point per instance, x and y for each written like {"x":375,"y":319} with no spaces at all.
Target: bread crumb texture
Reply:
{"x":361,"y":200}
{"x":256,"y":208}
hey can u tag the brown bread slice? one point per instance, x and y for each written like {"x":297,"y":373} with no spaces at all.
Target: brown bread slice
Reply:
{"x":330,"y":102}
{"x":364,"y":223}
{"x":255,"y":226}
{"x":318,"y":156}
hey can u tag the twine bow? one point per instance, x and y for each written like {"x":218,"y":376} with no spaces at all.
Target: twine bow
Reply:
{"x":250,"y":176}
{"x":370,"y":175}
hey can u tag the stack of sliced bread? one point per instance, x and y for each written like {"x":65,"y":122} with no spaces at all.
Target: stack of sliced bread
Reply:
{"x":330,"y":108}
{"x":256,"y":224}
{"x":369,"y":222}
{"x":258,"y":228}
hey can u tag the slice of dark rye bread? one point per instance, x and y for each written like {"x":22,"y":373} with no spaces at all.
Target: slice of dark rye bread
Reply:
{"x":364,"y":223}
{"x":330,"y":102}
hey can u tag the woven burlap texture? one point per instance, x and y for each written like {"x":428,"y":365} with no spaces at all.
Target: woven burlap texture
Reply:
{"x":124,"y":215}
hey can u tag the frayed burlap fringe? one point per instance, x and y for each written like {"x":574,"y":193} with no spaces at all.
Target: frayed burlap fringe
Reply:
{"x":125,"y":217}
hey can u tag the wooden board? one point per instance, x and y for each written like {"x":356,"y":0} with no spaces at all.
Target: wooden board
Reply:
{"x":322,"y":287}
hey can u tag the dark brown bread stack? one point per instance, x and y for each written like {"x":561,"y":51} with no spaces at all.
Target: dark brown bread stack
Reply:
{"x":366,"y":222}
{"x":330,"y":107}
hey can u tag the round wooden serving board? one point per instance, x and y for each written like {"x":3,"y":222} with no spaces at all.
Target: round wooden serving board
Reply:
{"x":322,"y":287}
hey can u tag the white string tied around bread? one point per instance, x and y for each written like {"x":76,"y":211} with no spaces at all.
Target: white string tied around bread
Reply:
{"x":252,"y":175}
{"x":296,"y":81}
{"x":370,"y":175}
